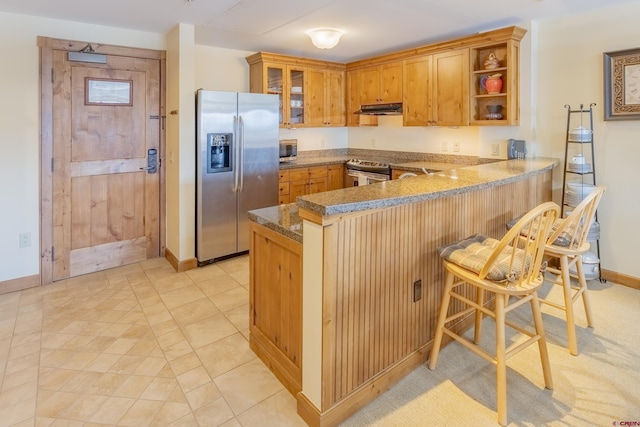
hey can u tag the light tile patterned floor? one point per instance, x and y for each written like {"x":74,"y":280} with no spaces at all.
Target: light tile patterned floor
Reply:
{"x":139,"y":345}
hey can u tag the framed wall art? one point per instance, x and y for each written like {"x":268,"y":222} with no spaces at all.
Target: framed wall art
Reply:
{"x":622,"y":85}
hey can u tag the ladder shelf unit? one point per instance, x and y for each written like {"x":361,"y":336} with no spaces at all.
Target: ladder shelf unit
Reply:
{"x":579,"y":163}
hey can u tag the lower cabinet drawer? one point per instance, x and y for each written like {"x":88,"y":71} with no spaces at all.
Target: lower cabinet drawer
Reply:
{"x":283,"y":200}
{"x":283,"y":188}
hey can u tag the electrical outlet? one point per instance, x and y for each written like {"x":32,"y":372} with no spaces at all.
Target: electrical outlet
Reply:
{"x":445,"y":146}
{"x":495,"y":149}
{"x":25,"y":239}
{"x":373,"y":142}
{"x":456,"y":146}
{"x":417,"y":290}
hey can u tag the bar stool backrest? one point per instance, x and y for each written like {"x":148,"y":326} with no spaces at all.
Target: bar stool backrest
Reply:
{"x":529,"y":235}
{"x":572,"y":231}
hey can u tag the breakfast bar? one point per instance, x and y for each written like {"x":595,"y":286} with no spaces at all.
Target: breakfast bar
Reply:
{"x":345,"y":284}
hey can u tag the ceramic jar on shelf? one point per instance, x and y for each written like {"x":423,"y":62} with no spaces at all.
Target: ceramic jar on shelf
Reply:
{"x":491,"y":62}
{"x":492,"y":84}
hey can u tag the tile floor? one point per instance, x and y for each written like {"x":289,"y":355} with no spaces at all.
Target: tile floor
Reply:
{"x":139,"y":345}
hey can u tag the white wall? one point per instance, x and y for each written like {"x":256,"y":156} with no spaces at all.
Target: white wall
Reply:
{"x":20,"y":126}
{"x":570,"y":71}
{"x":221,"y":69}
{"x":391,"y":135}
{"x":180,"y":151}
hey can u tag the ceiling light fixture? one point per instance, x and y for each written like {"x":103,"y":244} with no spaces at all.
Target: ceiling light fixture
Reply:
{"x":325,"y":38}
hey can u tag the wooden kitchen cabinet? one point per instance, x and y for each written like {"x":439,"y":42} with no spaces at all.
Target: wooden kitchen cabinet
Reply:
{"x":417,"y":83}
{"x":302,"y":181}
{"x":381,"y":84}
{"x":325,"y":97}
{"x":436,"y":89}
{"x":295,"y":81}
{"x":283,"y":187}
{"x":288,"y":81}
{"x":335,"y":177}
{"x":275,"y":300}
{"x":507,"y":51}
{"x":374,"y":84}
{"x":354,"y":101}
{"x":438,"y":84}
{"x":450,"y":90}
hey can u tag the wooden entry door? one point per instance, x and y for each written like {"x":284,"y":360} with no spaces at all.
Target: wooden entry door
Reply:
{"x":105,"y":205}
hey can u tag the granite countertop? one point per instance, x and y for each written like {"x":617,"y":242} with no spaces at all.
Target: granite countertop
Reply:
{"x":448,"y":182}
{"x":453,"y":179}
{"x":303,"y":162}
{"x":283,"y":219}
{"x":409,"y":165}
{"x":416,"y":166}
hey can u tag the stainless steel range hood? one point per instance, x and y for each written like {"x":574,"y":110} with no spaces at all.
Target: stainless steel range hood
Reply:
{"x":380,"y":109}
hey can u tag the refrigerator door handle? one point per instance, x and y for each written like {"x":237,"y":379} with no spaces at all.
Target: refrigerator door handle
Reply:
{"x":241,"y":151}
{"x":235,"y":154}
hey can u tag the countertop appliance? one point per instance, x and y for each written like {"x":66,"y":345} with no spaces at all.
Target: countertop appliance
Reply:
{"x":236,"y":170}
{"x":288,"y":150}
{"x":363,"y":172}
{"x":516,"y":149}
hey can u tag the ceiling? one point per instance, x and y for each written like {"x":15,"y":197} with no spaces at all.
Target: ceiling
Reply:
{"x":371,"y":27}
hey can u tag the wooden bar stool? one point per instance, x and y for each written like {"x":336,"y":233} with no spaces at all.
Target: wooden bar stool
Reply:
{"x":509,"y":268}
{"x":568,"y":243}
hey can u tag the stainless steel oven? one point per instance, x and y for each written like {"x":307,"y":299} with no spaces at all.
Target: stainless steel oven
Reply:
{"x":364,"y":172}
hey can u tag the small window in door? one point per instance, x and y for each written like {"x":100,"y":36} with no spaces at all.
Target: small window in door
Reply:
{"x":108,"y":92}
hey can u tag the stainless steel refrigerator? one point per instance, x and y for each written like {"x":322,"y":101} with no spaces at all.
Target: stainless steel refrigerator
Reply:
{"x":237,"y":168}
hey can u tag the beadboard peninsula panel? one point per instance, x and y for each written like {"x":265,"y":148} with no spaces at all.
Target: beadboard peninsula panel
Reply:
{"x":374,"y":333}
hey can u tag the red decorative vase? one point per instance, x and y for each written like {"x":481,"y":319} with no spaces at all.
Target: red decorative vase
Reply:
{"x":492,"y":84}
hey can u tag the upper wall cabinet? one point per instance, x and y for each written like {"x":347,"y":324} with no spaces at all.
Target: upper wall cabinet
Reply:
{"x":417,"y":82}
{"x":472,"y":80}
{"x":375,"y":84}
{"x":436,"y":89}
{"x":306,"y":95}
{"x":354,"y":100}
{"x":325,"y":97}
{"x":494,"y":97}
{"x":381,"y":84}
{"x":450,"y":91}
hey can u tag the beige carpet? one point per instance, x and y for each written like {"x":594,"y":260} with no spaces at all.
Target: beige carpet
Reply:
{"x":599,"y":387}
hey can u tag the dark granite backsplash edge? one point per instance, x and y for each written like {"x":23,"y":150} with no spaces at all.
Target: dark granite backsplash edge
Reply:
{"x":398,"y":156}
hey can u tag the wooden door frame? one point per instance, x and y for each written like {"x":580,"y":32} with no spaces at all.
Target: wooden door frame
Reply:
{"x":47,"y":45}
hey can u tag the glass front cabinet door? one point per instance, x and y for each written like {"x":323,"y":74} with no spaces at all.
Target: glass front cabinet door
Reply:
{"x":288,"y":83}
{"x":296,"y":115}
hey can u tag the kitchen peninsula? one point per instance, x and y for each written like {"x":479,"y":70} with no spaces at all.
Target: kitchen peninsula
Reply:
{"x":345,"y":284}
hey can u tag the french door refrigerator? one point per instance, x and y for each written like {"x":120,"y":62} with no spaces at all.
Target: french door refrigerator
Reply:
{"x":237,"y":168}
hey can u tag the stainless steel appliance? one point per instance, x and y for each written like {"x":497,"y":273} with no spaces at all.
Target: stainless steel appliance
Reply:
{"x":363,"y":172}
{"x":237,"y":168}
{"x":516,"y":149}
{"x":288,"y":149}
{"x":380,"y":109}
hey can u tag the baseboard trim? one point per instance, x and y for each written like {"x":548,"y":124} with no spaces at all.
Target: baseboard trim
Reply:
{"x":19,"y":284}
{"x":364,"y":394}
{"x":621,"y":279}
{"x":180,"y":266}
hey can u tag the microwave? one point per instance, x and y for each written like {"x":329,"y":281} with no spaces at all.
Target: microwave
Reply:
{"x":288,"y":149}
